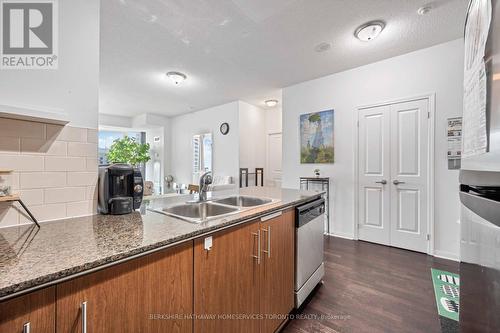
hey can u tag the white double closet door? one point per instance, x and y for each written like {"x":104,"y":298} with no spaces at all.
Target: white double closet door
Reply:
{"x":393,"y":174}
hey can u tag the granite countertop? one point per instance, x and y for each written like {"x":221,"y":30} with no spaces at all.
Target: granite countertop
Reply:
{"x":32,"y":257}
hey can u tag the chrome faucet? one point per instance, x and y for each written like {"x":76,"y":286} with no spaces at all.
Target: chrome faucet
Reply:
{"x":205,"y":180}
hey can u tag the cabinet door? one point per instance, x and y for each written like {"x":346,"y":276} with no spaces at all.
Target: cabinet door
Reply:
{"x":277,"y":271}
{"x":149,"y":294}
{"x":36,"y":310}
{"x":226,"y":281}
{"x":166,"y":291}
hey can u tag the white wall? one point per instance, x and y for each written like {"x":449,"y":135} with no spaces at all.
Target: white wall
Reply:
{"x":252,"y":120}
{"x":110,"y":120}
{"x":434,"y":70}
{"x":225,"y":147}
{"x":73,"y":87}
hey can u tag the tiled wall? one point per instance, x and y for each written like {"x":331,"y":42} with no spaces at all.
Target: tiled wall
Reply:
{"x":55,"y":170}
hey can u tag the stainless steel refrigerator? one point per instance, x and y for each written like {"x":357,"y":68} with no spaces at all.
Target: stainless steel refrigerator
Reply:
{"x":480,"y":171}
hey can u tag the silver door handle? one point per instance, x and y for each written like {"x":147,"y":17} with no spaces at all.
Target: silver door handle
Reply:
{"x":397,"y":182}
{"x":258,"y":246}
{"x":84,"y":317}
{"x":268,"y":251}
{"x":27,"y":327}
{"x":383,"y":182}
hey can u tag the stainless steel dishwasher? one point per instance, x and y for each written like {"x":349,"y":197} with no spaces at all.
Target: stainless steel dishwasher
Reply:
{"x":309,"y":266}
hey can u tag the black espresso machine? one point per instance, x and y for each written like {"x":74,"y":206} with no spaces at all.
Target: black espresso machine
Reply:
{"x":120,"y":189}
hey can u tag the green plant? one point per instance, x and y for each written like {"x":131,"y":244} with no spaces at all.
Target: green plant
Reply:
{"x":128,"y":150}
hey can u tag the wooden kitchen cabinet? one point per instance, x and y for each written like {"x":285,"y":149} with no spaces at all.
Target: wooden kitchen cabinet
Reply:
{"x":226,"y":281}
{"x":149,"y":294}
{"x":277,"y":270}
{"x":36,"y":309}
{"x":231,"y":280}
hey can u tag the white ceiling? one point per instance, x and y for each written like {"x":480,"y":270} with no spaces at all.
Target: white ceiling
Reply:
{"x":248,"y":49}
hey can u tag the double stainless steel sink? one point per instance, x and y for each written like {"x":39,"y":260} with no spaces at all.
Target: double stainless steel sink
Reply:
{"x":198,"y":212}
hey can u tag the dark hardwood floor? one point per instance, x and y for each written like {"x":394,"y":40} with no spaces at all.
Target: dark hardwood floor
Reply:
{"x":372,"y":288}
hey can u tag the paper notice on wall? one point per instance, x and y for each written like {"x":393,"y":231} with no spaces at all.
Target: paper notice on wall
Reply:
{"x":454,"y":137}
{"x":475,"y":139}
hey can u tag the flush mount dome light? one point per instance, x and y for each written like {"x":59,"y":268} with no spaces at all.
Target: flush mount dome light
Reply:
{"x":271,"y":103}
{"x":177,"y":77}
{"x":369,"y":31}
{"x":424,"y":10}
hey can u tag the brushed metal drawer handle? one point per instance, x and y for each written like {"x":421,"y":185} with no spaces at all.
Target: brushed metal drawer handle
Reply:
{"x":258,"y":246}
{"x":268,"y":251}
{"x":27,"y":327}
{"x":270,"y":216}
{"x":84,"y":317}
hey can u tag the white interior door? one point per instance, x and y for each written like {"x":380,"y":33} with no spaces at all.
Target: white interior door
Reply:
{"x":374,"y":174}
{"x":274,"y":159}
{"x":393,"y":174}
{"x":409,"y":172}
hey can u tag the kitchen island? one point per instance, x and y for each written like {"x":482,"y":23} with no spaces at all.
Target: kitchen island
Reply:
{"x":155,"y":263}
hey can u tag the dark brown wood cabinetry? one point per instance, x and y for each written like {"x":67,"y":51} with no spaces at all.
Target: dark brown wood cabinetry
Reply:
{"x":244,"y":283}
{"x":149,"y":294}
{"x":226,"y":281}
{"x":34,"y":312}
{"x":277,"y":271}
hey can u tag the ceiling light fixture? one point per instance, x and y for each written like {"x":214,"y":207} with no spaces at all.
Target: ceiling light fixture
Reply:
{"x":369,"y":31}
{"x":424,"y":10}
{"x":271,"y":103}
{"x":177,"y":77}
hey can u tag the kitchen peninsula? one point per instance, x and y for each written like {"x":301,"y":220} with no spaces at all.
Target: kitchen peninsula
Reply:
{"x":149,"y":272}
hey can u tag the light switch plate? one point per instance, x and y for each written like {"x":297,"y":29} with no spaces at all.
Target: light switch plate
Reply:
{"x":208,"y":243}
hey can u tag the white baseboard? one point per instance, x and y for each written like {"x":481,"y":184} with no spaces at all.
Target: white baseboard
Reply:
{"x":437,"y":253}
{"x":341,"y":235}
{"x":446,"y":255}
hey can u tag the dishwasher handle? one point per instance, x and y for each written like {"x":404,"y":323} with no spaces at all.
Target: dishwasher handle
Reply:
{"x":309,"y":212}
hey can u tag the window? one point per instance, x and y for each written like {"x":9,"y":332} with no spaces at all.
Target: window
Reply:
{"x":106,"y":139}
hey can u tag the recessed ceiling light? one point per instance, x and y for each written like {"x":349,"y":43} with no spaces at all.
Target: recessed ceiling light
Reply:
{"x":424,"y":10}
{"x":271,"y":103}
{"x":369,"y":31}
{"x":177,"y":77}
{"x":322,"y":47}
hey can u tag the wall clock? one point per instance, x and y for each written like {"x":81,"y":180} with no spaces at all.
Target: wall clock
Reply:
{"x":224,"y":128}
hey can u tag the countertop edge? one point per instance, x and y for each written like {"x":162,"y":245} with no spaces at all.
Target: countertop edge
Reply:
{"x":41,"y":282}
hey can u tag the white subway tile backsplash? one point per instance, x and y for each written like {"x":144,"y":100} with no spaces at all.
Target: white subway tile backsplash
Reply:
{"x":92,"y":136}
{"x":66,"y":133}
{"x":9,"y":215}
{"x":21,"y":162}
{"x":42,"y":180}
{"x":92,"y":164}
{"x":32,"y":197}
{"x":43,"y":147}
{"x":44,"y":212}
{"x":56,"y":163}
{"x":82,"y":149}
{"x":79,"y":208}
{"x":10,"y":145}
{"x":91,"y":193}
{"x":21,"y":129}
{"x":55,"y":170}
{"x":65,"y":194}
{"x":82,"y":178}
